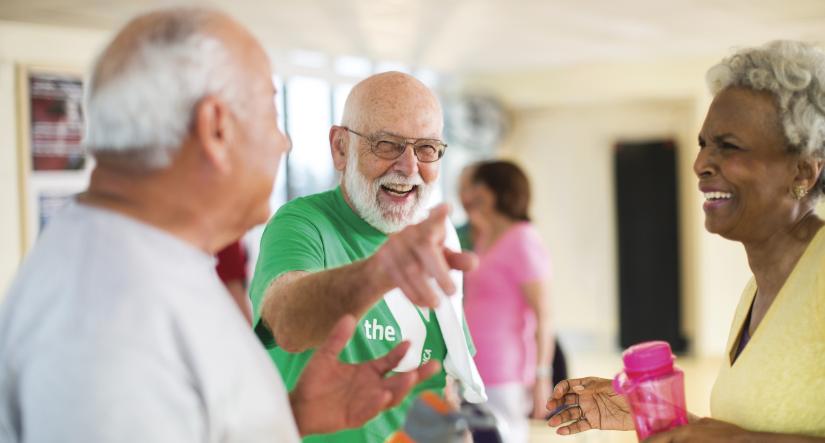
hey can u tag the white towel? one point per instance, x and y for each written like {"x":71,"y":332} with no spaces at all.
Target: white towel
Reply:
{"x":459,"y":363}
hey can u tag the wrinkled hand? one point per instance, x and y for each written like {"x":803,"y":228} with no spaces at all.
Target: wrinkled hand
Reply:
{"x":591,"y":404}
{"x":703,"y":430}
{"x":411,"y":257}
{"x":332,"y":395}
{"x":541,"y":394}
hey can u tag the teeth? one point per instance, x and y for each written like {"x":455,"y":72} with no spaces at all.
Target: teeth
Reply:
{"x":718,"y":195}
{"x":400,"y":188}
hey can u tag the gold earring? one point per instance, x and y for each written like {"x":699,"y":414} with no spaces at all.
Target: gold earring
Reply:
{"x":799,"y":192}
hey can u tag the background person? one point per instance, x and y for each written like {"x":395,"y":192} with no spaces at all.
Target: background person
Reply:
{"x":507,"y":297}
{"x":231,"y":269}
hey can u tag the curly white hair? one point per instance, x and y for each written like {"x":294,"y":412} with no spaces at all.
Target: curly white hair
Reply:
{"x":794,"y":72}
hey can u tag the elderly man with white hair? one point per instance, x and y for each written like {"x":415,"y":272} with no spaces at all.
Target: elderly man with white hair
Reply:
{"x":116,"y":328}
{"x":368,"y":249}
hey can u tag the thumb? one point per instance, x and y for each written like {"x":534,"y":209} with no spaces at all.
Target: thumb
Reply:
{"x":462,"y":261}
{"x":438,"y":213}
{"x":338,"y":336}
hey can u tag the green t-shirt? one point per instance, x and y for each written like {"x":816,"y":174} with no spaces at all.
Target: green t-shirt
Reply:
{"x":321,"y":232}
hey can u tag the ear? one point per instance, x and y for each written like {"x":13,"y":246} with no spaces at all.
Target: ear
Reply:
{"x":808,"y":171}
{"x":213,"y":131}
{"x":338,"y":144}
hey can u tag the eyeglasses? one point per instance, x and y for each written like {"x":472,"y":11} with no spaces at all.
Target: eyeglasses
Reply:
{"x":390,"y":147}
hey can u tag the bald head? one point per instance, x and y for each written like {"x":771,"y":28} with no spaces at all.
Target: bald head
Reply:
{"x":147,"y":82}
{"x":394,"y":102}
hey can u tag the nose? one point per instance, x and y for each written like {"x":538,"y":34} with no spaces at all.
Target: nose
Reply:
{"x":703,"y":166}
{"x":407,"y":164}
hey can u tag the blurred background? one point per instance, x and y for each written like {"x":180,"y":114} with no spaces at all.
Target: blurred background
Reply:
{"x":599,"y":101}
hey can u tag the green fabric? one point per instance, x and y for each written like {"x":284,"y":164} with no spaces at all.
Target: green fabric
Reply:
{"x":465,"y":237}
{"x":321,"y":232}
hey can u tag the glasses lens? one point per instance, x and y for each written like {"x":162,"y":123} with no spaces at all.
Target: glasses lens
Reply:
{"x":428,"y":152}
{"x":388,"y":150}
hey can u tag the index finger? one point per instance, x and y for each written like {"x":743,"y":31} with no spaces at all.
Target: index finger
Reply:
{"x":565,"y":386}
{"x":390,"y":360}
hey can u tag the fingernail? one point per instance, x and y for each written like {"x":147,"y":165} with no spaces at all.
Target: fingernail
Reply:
{"x":563,"y":431}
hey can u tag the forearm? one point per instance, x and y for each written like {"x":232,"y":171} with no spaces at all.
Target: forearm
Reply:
{"x":545,"y":343}
{"x":301,"y":311}
{"x":763,"y":437}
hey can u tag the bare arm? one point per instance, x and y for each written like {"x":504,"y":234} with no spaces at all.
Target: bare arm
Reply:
{"x":710,"y":431}
{"x":291,"y":306}
{"x":538,"y":297}
{"x":300,"y":308}
{"x":537,"y":294}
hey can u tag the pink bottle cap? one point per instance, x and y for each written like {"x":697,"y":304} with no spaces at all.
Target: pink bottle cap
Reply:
{"x":648,"y":358}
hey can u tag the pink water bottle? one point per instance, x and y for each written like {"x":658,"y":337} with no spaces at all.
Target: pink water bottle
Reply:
{"x":654,"y":388}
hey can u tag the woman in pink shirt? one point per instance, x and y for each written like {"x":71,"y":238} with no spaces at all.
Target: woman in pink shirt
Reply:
{"x":507,"y":300}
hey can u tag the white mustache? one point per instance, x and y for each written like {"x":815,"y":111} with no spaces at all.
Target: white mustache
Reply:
{"x":396,"y":178}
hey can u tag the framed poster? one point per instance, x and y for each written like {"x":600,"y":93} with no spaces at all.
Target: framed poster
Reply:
{"x":53,"y":165}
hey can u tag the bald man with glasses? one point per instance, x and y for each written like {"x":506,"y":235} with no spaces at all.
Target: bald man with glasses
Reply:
{"x":371,"y":249}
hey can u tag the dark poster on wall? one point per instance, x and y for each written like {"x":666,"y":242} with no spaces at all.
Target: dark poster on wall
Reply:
{"x":56,"y":122}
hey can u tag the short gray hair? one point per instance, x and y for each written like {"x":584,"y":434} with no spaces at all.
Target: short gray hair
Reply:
{"x":794,"y":72}
{"x":143,"y":92}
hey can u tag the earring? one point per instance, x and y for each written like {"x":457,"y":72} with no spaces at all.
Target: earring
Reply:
{"x":799,"y":192}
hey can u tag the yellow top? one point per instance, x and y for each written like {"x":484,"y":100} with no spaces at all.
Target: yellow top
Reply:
{"x":777,"y":384}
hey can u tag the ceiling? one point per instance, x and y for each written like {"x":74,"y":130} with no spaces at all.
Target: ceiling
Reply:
{"x":480,"y":36}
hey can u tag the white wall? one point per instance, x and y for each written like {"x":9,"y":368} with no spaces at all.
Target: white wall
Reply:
{"x":30,"y":45}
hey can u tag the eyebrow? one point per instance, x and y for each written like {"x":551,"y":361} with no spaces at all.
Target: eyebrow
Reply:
{"x":382,"y":132}
{"x":726,"y":135}
{"x":720,"y":137}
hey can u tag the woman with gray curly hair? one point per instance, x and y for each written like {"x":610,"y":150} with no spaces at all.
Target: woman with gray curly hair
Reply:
{"x":760,"y":163}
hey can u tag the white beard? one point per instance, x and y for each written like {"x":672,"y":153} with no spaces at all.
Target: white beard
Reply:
{"x":364,"y":196}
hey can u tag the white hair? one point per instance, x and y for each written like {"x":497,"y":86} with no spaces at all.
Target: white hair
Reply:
{"x":794,"y":72}
{"x":141,"y":100}
{"x":364,"y":196}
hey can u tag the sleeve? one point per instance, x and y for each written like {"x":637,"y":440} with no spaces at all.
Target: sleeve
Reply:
{"x":290,"y":242}
{"x":530,"y":261}
{"x":126,"y":395}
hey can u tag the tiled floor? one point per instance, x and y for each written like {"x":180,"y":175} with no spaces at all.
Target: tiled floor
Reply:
{"x":699,"y":376}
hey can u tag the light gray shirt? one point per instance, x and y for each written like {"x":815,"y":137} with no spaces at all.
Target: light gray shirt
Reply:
{"x":114,"y":331}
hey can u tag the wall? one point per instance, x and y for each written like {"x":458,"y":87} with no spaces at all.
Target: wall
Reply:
{"x":32,"y":45}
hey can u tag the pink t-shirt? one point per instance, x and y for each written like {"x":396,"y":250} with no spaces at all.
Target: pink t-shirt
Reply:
{"x":502,"y":323}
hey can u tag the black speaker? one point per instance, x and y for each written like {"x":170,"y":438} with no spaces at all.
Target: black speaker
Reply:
{"x":647,"y":209}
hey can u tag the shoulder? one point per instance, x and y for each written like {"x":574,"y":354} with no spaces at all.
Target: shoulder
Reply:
{"x":311,"y":204}
{"x":524,"y":236}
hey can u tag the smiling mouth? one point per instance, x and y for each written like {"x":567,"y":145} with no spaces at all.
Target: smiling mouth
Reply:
{"x":717,"y":196}
{"x":399,"y":190}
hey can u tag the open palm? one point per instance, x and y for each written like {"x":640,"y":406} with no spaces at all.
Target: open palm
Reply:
{"x":332,"y":395}
{"x":589,"y":403}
